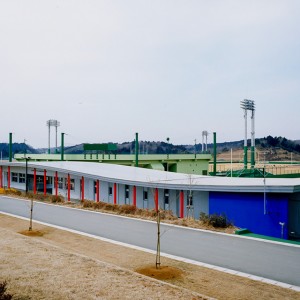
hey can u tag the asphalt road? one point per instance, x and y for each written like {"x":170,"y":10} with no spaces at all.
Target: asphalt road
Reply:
{"x":273,"y":261}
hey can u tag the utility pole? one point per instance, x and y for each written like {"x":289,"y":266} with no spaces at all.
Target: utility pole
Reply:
{"x":25,"y":147}
{"x":215,"y":153}
{"x":168,"y":152}
{"x":62,"y":150}
{"x":136,"y":149}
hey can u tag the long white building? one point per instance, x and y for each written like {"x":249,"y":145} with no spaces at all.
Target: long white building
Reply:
{"x":248,"y":202}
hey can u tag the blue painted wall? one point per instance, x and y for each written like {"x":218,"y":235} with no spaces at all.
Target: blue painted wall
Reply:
{"x":246,"y":210}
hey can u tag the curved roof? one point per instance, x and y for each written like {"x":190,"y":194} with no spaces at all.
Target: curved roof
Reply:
{"x":165,"y":180}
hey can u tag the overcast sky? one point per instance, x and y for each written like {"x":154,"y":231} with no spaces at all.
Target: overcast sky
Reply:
{"x":163,"y":68}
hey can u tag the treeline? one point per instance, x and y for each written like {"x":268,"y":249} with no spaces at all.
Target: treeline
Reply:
{"x":279,"y":142}
{"x":148,"y":147}
{"x":16,"y":148}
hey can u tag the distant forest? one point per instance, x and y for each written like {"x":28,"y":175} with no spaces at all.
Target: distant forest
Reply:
{"x":280,"y":142}
{"x":147,"y":147}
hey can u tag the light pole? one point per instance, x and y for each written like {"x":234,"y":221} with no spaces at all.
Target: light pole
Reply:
{"x":26,"y":190}
{"x":25,"y":147}
{"x":26,"y":173}
{"x":265,"y":199}
{"x":168,"y":150}
{"x":249,"y":105}
{"x":231,"y":162}
{"x":62,"y":147}
{"x":54,"y":123}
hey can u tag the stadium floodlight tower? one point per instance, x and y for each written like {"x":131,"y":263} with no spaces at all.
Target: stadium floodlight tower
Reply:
{"x":204,"y":140}
{"x":55,"y":124}
{"x":249,"y":105}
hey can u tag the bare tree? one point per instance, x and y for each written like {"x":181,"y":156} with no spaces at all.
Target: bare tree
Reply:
{"x":154,"y":192}
{"x":31,"y":213}
{"x":190,"y":206}
{"x":157,"y":263}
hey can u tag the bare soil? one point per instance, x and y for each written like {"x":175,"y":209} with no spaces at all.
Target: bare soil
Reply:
{"x":32,"y":232}
{"x":268,"y":154}
{"x":64,"y":265}
{"x":161,"y":273}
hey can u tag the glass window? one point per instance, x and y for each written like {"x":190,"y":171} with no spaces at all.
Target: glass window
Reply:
{"x":72,"y":184}
{"x":189,"y":198}
{"x":166,"y":196}
{"x":14,"y":177}
{"x":60,"y":183}
{"x":126,"y":191}
{"x":110,"y":191}
{"x":145,"y":198}
{"x":48,"y":180}
{"x":22,"y":178}
{"x":145,"y":195}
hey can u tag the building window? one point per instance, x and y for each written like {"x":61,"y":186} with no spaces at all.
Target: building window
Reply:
{"x":145,"y":198}
{"x":48,"y":180}
{"x":95,"y":187}
{"x":126,"y":191}
{"x":166,"y":199}
{"x":127,"y":201}
{"x":189,"y":200}
{"x":110,"y":191}
{"x":72,"y":184}
{"x":14,"y":177}
{"x":22,"y":178}
{"x":166,"y":196}
{"x":60,"y":183}
{"x":145,"y":195}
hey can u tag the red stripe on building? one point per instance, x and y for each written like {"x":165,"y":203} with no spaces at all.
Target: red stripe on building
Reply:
{"x":69,"y":187}
{"x":156,"y":199}
{"x":181,"y":205}
{"x":82,"y":188}
{"x":45,"y":182}
{"x":115,"y":193}
{"x":134,"y":196}
{"x":8,"y":177}
{"x":56,"y":183}
{"x":34,"y":181}
{"x":97,"y":190}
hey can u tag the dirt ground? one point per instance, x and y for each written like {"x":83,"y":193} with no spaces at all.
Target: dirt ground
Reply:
{"x":64,"y":265}
{"x":271,"y":155}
